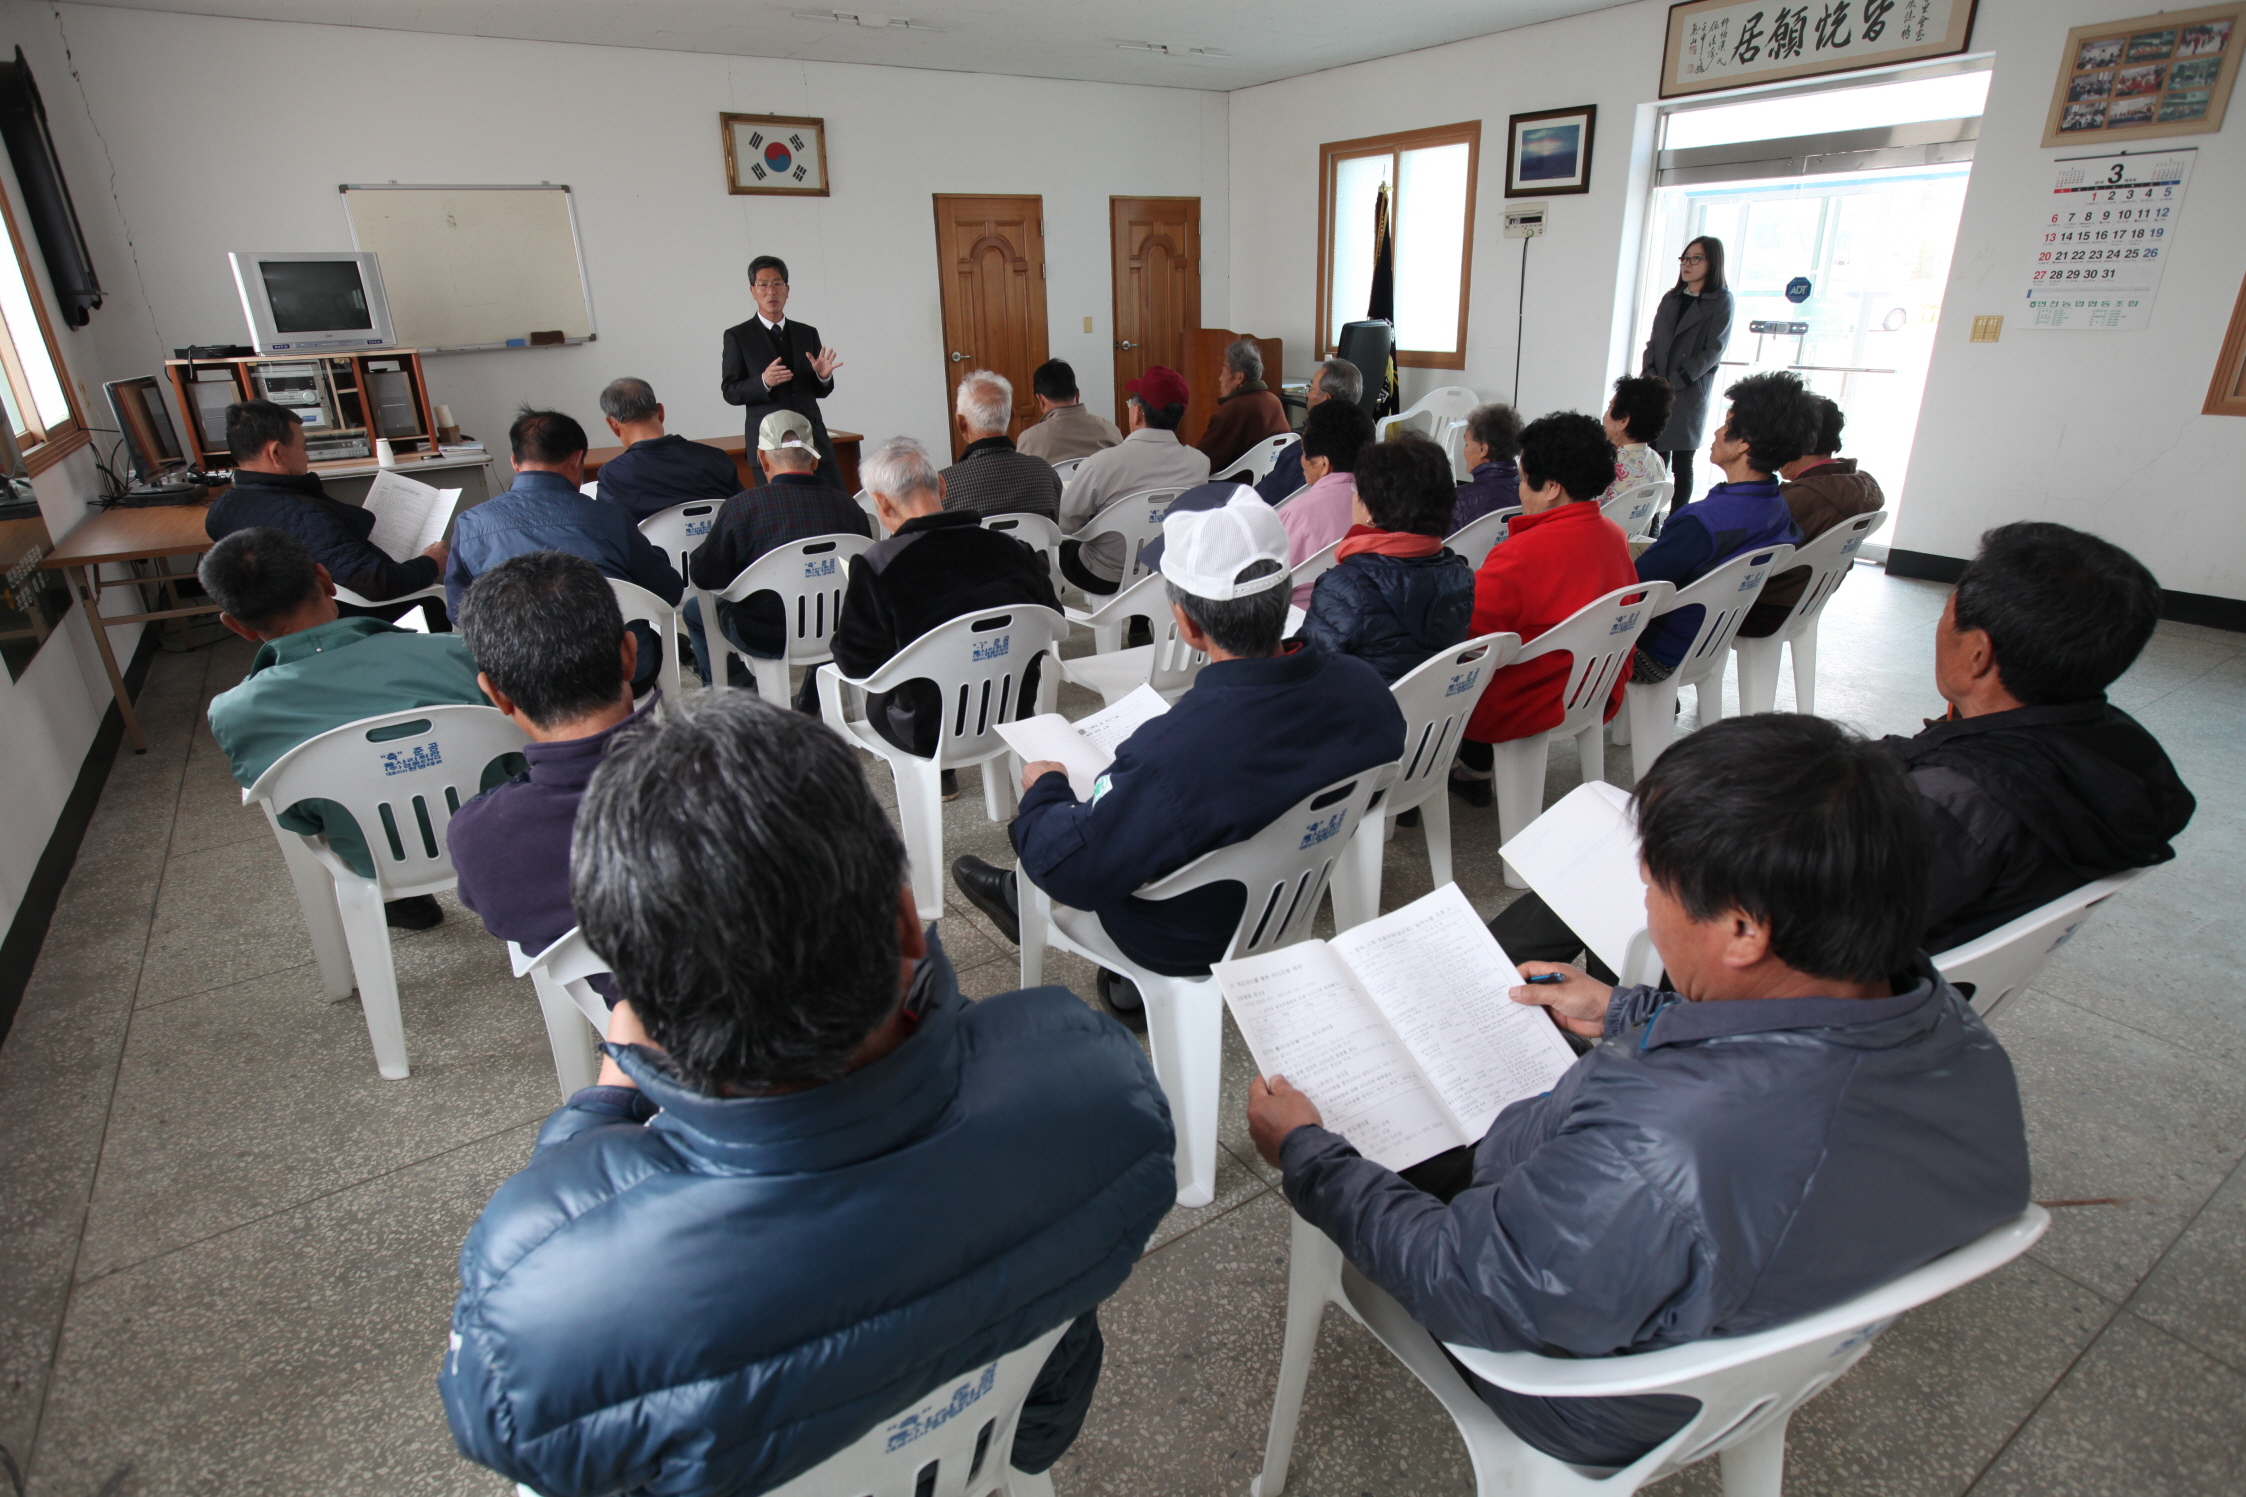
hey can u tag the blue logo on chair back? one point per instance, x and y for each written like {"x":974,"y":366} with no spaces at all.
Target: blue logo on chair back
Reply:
{"x":406,"y":761}
{"x":1625,"y":623}
{"x":1463,"y":681}
{"x":1749,"y":580}
{"x":927,"y":1421}
{"x":823,"y":567}
{"x":698,"y":527}
{"x":1322,"y":831}
{"x":991,"y":649}
{"x":1853,"y":542}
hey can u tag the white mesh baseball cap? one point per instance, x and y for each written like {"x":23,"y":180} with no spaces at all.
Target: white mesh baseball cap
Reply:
{"x":1203,"y":550}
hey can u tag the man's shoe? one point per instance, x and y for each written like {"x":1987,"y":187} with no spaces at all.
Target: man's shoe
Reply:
{"x":951,"y":784}
{"x":1408,"y":818}
{"x":1475,"y":791}
{"x":1121,"y":998}
{"x":418,"y":913}
{"x":990,"y":890}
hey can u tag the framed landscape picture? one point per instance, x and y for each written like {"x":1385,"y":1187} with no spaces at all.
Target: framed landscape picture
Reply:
{"x":2158,"y":75}
{"x":1549,"y":152}
{"x":775,"y":153}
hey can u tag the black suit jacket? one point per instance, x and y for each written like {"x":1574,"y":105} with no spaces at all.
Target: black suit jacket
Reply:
{"x":749,"y":347}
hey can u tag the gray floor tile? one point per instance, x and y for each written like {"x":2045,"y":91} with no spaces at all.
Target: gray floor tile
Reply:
{"x":1192,"y":1358}
{"x":183,"y":1161}
{"x":299,"y":1354}
{"x":2142,"y":1413}
{"x":2112,"y":1112}
{"x":2194,"y":1294}
{"x":192,"y":948}
{"x":2144,"y":959}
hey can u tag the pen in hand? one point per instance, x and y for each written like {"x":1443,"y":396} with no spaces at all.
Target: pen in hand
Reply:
{"x":1546,"y":978}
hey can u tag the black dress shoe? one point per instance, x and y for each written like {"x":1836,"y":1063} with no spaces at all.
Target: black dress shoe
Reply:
{"x":1408,"y":818}
{"x":950,"y":782}
{"x":1121,"y":998}
{"x":1475,"y":792}
{"x":421,"y":912}
{"x":990,"y":890}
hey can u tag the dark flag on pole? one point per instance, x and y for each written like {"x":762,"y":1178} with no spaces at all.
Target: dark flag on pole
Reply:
{"x":1381,"y":306}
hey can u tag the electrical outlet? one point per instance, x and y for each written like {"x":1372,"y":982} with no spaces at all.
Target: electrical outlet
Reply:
{"x":1525,"y":220}
{"x":1986,"y":330}
{"x":1087,"y":324}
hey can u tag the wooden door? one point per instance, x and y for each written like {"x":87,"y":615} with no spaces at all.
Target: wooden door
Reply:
{"x":990,"y":253}
{"x":1154,"y":245}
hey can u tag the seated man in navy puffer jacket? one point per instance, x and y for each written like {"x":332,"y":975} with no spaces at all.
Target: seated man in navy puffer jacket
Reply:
{"x":1395,"y":595}
{"x":814,"y":1182}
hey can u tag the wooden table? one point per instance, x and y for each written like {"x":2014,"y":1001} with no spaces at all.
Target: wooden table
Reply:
{"x":125,"y":536}
{"x":737,"y":448}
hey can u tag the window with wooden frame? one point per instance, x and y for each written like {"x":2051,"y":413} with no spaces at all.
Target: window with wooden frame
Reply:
{"x":1430,"y":176}
{"x":36,"y":392}
{"x":2226,"y":393}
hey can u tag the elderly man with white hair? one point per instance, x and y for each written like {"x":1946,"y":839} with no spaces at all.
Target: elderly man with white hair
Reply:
{"x":937,"y":564}
{"x":1247,"y":410}
{"x":991,"y":477}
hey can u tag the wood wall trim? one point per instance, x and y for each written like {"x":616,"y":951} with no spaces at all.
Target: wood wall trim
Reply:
{"x":2226,"y":392}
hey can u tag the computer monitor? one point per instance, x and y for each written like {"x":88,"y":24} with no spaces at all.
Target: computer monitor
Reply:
{"x":312,"y":303}
{"x":150,"y":438}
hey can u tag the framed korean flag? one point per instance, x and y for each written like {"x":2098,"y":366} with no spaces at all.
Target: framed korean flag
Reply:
{"x":775,"y":153}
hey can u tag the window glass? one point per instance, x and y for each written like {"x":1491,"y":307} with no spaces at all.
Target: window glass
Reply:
{"x":1430,"y":247}
{"x":1952,"y":97}
{"x":1357,"y":182}
{"x":31,"y":349}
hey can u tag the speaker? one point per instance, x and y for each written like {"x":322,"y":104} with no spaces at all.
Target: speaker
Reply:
{"x":1369,"y":345}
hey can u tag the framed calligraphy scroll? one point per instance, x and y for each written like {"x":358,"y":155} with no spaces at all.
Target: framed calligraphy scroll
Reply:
{"x":1716,"y":44}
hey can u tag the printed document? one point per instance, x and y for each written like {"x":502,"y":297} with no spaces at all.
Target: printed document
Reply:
{"x":409,"y":516}
{"x":1085,"y":747}
{"x":1581,"y":857}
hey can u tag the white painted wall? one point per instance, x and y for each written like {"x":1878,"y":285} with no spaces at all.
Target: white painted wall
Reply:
{"x":1610,"y":58}
{"x":2098,"y":430}
{"x":249,"y":155}
{"x":2056,"y":425}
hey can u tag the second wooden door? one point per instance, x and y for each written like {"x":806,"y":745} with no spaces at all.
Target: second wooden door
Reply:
{"x":990,"y":252}
{"x":1154,"y":245}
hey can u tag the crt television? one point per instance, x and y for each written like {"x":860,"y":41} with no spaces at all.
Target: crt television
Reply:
{"x":312,"y":303}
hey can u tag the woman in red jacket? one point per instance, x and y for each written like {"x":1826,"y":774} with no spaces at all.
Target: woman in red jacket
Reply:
{"x":1560,"y":554}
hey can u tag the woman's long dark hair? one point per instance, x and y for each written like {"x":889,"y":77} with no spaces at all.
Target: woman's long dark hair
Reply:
{"x":1713,"y":249}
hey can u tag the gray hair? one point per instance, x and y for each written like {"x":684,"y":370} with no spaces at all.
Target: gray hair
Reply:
{"x":752,"y":923}
{"x":628,"y":399}
{"x":1244,"y":358}
{"x":986,"y":400}
{"x":899,"y":468}
{"x":1249,"y":626}
{"x":1342,"y":380}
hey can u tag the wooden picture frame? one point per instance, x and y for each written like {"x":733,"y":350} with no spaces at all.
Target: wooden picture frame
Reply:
{"x":2156,"y":75}
{"x":1538,"y":145}
{"x":781,"y":155}
{"x":1719,"y":44}
{"x":2226,"y":392}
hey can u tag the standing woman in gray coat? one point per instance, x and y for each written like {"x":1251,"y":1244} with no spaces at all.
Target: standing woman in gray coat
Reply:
{"x":1690,"y":328}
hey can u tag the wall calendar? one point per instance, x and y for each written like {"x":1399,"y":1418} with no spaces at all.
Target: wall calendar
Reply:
{"x":2104,"y":237}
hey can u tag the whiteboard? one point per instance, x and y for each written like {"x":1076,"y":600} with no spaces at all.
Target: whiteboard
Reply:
{"x":474,"y":267}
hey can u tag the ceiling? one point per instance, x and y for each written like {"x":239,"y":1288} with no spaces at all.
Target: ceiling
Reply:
{"x":1208,"y":44}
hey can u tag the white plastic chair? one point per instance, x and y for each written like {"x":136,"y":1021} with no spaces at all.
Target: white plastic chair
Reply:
{"x":567,"y":1002}
{"x":864,"y":500}
{"x":953,"y":1443}
{"x":1135,"y":520}
{"x":976,"y":662}
{"x":1254,"y":465}
{"x":401,"y":775}
{"x":1599,"y":636}
{"x":1828,"y":558}
{"x":1477,"y":538}
{"x":1067,"y":467}
{"x":1634,"y":509}
{"x":1281,"y":502}
{"x":1314,"y":566}
{"x":678,"y":532}
{"x":1724,"y":596}
{"x":1433,"y":413}
{"x":1452,"y":435}
{"x":1437,"y":699}
{"x":1996,"y":966}
{"x":639,"y":606}
{"x":810,"y":576}
{"x":1284,"y":869}
{"x":434,"y":590}
{"x":1748,"y":1387}
{"x":1034,"y":531}
{"x":1110,"y":614}
{"x":1168,"y":665}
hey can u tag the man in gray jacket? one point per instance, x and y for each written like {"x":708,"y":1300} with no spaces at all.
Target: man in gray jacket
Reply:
{"x":1811,"y":1113}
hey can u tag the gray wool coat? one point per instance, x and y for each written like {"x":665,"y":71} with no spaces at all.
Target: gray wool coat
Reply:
{"x":1689,"y":333}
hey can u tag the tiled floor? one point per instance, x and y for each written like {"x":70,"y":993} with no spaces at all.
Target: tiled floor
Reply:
{"x":229,"y":1249}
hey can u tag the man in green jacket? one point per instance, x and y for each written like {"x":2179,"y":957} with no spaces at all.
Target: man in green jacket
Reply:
{"x":316,"y":670}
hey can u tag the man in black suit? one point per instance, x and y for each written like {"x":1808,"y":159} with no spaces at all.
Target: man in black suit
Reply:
{"x":772,"y":364}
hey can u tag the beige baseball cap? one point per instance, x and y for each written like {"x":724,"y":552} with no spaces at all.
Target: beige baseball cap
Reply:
{"x":785,"y":429}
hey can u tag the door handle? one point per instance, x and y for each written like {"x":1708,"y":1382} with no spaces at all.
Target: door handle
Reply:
{"x":1125,"y":347}
{"x":960,"y":358}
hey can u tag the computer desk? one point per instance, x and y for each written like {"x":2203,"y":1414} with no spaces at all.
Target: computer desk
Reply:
{"x":126,"y":536}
